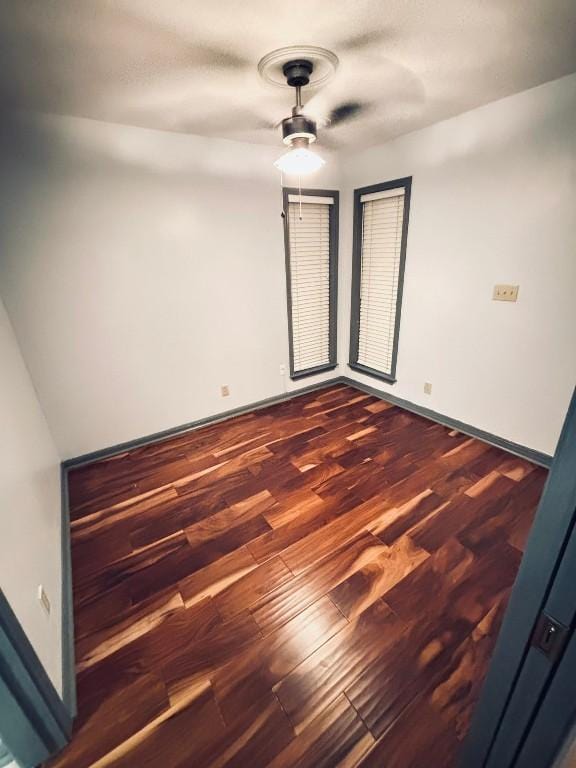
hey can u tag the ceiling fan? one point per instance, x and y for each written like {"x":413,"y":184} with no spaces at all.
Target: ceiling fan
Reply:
{"x":298,"y":67}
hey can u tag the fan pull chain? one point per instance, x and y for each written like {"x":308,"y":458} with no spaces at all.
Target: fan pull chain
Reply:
{"x":300,"y":196}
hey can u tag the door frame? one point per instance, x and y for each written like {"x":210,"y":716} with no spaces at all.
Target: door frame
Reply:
{"x":519,"y":674}
{"x":35,"y":720}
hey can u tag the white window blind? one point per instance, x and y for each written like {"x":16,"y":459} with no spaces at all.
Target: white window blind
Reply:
{"x":381,"y":245}
{"x":309,"y":257}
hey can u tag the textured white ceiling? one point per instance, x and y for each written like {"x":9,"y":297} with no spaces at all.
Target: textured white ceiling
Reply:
{"x":191,"y":66}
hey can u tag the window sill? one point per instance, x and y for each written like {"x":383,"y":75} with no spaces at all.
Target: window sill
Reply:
{"x":372,"y":372}
{"x":312,"y":371}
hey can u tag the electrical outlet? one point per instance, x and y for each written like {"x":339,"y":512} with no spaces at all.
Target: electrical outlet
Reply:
{"x":282,"y":370}
{"x":224,"y":390}
{"x":505,"y":293}
{"x":427,"y":388}
{"x":43,"y":598}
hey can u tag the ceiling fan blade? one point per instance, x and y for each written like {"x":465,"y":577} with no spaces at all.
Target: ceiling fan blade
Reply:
{"x":345,"y":112}
{"x":363,"y":40}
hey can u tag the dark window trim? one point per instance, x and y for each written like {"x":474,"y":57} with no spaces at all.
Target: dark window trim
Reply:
{"x":405,"y":182}
{"x":333,"y":283}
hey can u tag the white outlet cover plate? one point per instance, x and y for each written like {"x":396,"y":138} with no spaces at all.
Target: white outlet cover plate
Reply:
{"x":43,"y":598}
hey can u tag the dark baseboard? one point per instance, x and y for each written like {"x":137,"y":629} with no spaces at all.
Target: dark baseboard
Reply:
{"x":105,"y":453}
{"x":537,"y":457}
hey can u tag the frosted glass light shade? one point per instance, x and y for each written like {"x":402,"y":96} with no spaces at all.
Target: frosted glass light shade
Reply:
{"x":299,"y":162}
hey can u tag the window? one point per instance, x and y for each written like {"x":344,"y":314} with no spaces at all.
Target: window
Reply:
{"x":311,"y":241}
{"x":379,"y":251}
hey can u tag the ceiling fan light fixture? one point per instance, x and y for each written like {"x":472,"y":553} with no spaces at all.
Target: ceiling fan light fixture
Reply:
{"x":299,"y":161}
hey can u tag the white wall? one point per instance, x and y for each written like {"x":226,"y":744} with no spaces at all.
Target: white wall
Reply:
{"x":29,"y":507}
{"x":142,"y":270}
{"x":493,"y":201}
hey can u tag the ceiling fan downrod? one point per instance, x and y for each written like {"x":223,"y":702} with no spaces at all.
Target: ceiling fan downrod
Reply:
{"x":298,"y":130}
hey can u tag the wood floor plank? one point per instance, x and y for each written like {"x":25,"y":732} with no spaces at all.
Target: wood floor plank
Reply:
{"x":248,"y":589}
{"x":102,"y":611}
{"x":509,"y":518}
{"x":464,"y":509}
{"x":391,"y":527}
{"x":128,"y":710}
{"x":420,"y":738}
{"x":316,"y":545}
{"x":376,"y":578}
{"x":287,"y":601}
{"x":387,"y":685}
{"x":131,"y":508}
{"x":216,"y":577}
{"x":382,"y":692}
{"x":253,"y":674}
{"x":316,"y":583}
{"x":255,"y":738}
{"x":135,"y":622}
{"x":146,"y":571}
{"x":294,"y":508}
{"x":190,"y":667}
{"x":209,"y":542}
{"x":172,"y":739}
{"x":337,"y":738}
{"x":328,"y":672}
{"x":179,"y":513}
{"x":308,"y":519}
{"x":459,"y":690}
{"x":145,"y":654}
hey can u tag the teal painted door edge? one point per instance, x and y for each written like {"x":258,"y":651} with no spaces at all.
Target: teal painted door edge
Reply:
{"x":36,"y":711}
{"x":68,"y":654}
{"x":20,"y":734}
{"x":5,"y":756}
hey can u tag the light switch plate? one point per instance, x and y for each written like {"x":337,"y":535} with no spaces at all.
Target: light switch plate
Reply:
{"x":427,"y":388}
{"x":224,"y":390}
{"x":505,"y":293}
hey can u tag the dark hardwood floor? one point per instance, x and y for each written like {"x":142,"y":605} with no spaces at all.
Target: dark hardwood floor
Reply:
{"x":319,"y":583}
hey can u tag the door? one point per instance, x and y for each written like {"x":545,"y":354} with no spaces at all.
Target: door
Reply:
{"x":536,"y":643}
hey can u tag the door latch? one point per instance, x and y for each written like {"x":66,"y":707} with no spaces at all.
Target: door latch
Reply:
{"x":550,"y":637}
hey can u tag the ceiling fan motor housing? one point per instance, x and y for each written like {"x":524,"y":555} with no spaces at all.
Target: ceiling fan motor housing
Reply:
{"x":298,"y":127}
